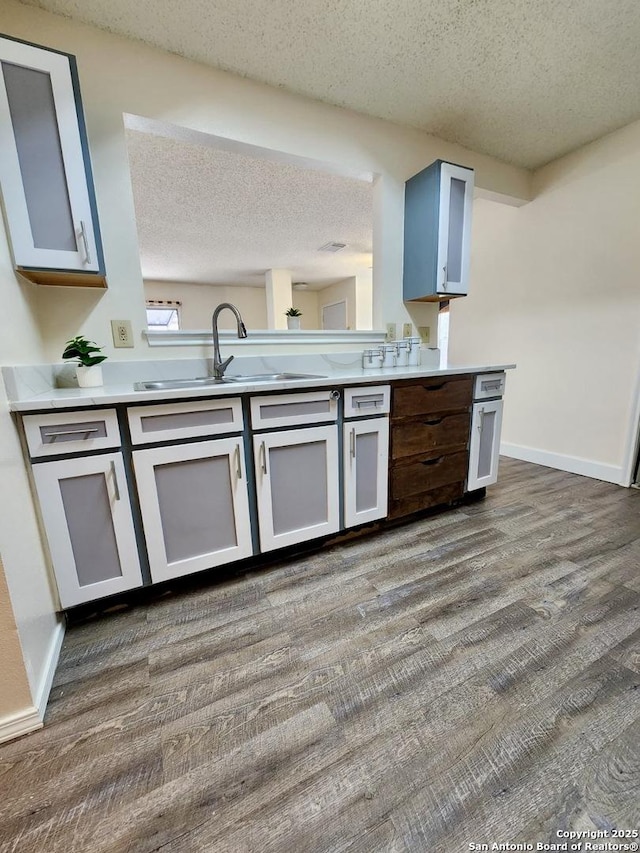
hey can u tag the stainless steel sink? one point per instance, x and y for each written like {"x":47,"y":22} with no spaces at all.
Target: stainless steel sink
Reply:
{"x":273,"y":377}
{"x":168,"y":384}
{"x":204,"y":381}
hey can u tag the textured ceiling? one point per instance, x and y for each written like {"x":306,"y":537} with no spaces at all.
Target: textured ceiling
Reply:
{"x":523,"y":80}
{"x":210,"y":216}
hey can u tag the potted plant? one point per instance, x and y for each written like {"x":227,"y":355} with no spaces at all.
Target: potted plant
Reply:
{"x":87,"y":355}
{"x":293,"y":318}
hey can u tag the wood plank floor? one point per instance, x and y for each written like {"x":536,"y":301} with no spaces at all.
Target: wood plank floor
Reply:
{"x":471,"y":677}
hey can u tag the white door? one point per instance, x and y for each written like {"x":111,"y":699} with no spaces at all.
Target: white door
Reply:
{"x":484,"y":446}
{"x":454,"y":230}
{"x":85,"y":507}
{"x":297,"y":484}
{"x":194,"y":504}
{"x":366,"y":470}
{"x":42,"y":162}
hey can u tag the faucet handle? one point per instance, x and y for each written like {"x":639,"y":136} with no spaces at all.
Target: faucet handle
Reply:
{"x":224,"y":364}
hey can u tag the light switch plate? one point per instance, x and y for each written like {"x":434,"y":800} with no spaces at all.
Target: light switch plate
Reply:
{"x":407,"y":330}
{"x":425,"y":334}
{"x":391,"y":331}
{"x":122,"y":333}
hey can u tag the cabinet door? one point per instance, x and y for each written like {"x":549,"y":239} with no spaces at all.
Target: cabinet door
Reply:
{"x":85,"y":507}
{"x":366,"y":463}
{"x":45,"y":184}
{"x":454,"y":230}
{"x":484,"y":448}
{"x":297,"y":483}
{"x":195,"y":506}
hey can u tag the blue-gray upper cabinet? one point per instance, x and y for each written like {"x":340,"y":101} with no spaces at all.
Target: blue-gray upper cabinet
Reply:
{"x":438,"y":203}
{"x":45,"y":171}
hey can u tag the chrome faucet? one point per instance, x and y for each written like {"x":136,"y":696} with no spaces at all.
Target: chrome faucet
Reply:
{"x":219,"y":366}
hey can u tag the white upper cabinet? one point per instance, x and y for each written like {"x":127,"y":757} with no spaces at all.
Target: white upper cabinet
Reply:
{"x":45,"y":172}
{"x":437,"y":233}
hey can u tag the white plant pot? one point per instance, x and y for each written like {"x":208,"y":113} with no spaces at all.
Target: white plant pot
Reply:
{"x":293,"y":322}
{"x":89,"y":377}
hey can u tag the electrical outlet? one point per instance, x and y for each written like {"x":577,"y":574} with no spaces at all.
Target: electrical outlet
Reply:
{"x":122,"y":333}
{"x":425,"y":334}
{"x":391,"y":331}
{"x":407,"y":330}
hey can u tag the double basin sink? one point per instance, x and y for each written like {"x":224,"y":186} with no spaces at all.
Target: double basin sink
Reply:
{"x":204,"y":381}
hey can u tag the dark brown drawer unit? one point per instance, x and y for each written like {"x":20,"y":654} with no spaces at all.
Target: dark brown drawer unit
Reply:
{"x":430,"y":421}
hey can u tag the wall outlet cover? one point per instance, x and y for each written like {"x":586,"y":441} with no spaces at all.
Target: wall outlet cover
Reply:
{"x":425,"y":334}
{"x":407,"y":330}
{"x":391,"y":331}
{"x":122,"y":333}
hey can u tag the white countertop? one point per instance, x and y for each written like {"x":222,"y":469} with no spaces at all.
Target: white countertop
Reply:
{"x":27,"y":394}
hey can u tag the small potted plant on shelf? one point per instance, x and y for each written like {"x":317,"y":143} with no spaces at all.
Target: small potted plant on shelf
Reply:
{"x":87,"y":356}
{"x":293,"y":318}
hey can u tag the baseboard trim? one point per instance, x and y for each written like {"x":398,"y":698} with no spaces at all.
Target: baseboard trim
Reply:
{"x":22,"y":723}
{"x":49,"y":669}
{"x":572,"y":464}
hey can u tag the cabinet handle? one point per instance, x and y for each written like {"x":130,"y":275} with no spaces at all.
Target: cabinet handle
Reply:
{"x":434,"y":387}
{"x":114,"y":474}
{"x":352,"y":443}
{"x":238,"y":464}
{"x":85,"y":242}
{"x":70,"y":432}
{"x":367,"y":404}
{"x":433,"y":422}
{"x":263,"y":457}
{"x":481,"y":412}
{"x":432,"y":461}
{"x":334,"y":395}
{"x":444,"y":283}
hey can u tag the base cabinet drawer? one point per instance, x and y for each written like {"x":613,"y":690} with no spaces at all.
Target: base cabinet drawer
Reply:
{"x":436,"y":497}
{"x":432,"y":395}
{"x":431,"y":432}
{"x":86,"y":511}
{"x":420,"y":475}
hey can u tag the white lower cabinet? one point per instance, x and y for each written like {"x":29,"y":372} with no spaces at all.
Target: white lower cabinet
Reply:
{"x":484,"y":445}
{"x":366,"y":464}
{"x":195,"y":506}
{"x":86,"y":511}
{"x":297,"y":485}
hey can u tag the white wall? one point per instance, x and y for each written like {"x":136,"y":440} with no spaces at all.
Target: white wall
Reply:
{"x":307,"y":302}
{"x":200,"y":300}
{"x":22,"y":670}
{"x":554,"y":287}
{"x":341,"y":291}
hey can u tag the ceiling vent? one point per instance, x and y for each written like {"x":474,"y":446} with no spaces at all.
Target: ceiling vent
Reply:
{"x":300,"y":285}
{"x":332,"y":247}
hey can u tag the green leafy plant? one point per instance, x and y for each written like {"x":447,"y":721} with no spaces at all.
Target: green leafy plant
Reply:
{"x":293,"y":312}
{"x":83,"y":351}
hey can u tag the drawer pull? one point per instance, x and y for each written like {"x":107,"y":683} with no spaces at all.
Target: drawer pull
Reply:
{"x":433,"y":422}
{"x":364,"y":404}
{"x":84,"y":431}
{"x":433,"y":461}
{"x":434,"y":387}
{"x":114,"y":474}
